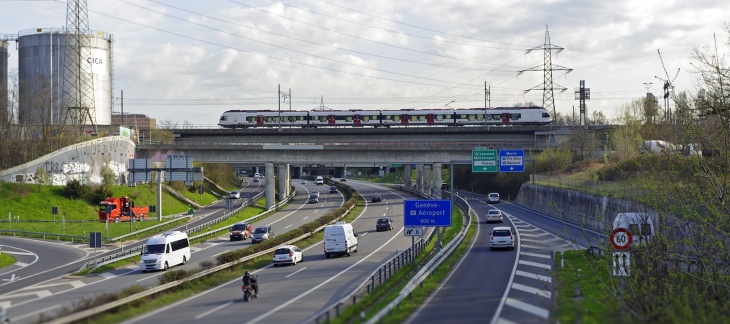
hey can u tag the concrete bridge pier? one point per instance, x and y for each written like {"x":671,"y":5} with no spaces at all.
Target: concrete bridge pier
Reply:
{"x":419,"y":177}
{"x":283,"y":176}
{"x":427,"y":179}
{"x":437,"y":180}
{"x":407,"y":181}
{"x":270,"y":186}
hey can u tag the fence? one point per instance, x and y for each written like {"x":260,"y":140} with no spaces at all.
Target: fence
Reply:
{"x":430,"y":267}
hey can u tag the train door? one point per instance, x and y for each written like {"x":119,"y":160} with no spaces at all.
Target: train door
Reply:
{"x":505,"y":118}
{"x":430,"y":119}
{"x":404,"y":119}
{"x":331,"y":120}
{"x":259,"y":120}
{"x":357,"y":120}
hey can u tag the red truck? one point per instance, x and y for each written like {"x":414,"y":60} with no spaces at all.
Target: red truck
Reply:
{"x":120,"y":210}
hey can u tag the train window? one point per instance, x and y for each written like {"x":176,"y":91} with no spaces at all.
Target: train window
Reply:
{"x":515,"y":116}
{"x":224,"y":118}
{"x":494,"y":117}
{"x":480,"y":117}
{"x":366,"y":118}
{"x":439,"y":117}
{"x":545,"y":115}
{"x":323,"y":118}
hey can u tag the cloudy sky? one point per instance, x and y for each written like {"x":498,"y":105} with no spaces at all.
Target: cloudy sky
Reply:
{"x":190,"y":60}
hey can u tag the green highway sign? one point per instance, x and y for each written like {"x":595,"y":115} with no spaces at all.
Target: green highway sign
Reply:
{"x":484,"y":161}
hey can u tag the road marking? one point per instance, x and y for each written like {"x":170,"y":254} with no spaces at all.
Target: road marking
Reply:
{"x":532,"y":290}
{"x":286,"y":304}
{"x":538,"y":311}
{"x":12,"y":278}
{"x":532,"y":246}
{"x":305,"y":217}
{"x":74,"y":283}
{"x":534,"y":276}
{"x":535,"y":264}
{"x":533,"y":241}
{"x":18,"y":318}
{"x":295,"y":272}
{"x":18,"y":253}
{"x":546,"y":256}
{"x":38,"y":293}
{"x":201,"y":315}
{"x":107,"y":275}
{"x":290,"y":225}
{"x":505,"y":321}
{"x":21,"y":264}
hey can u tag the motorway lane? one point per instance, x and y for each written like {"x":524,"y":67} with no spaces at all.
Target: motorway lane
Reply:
{"x":290,"y":294}
{"x":32,"y":299}
{"x":60,"y":263}
{"x":504,"y":286}
{"x":35,"y":260}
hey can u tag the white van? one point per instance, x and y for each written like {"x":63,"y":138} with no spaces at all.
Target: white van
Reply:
{"x":339,"y":239}
{"x":319,"y":180}
{"x":165,"y":250}
{"x":640,"y":225}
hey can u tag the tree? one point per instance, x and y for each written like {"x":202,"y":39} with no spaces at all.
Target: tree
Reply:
{"x":41,"y":177}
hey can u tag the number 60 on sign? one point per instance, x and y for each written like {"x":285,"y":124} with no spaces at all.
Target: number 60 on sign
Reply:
{"x":621,"y":238}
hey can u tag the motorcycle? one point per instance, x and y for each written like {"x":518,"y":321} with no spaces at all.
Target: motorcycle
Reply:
{"x":248,"y":292}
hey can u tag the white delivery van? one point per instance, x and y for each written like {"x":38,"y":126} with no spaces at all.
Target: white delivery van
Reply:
{"x":339,"y":239}
{"x":165,"y":250}
{"x":319,"y":180}
{"x":640,"y":225}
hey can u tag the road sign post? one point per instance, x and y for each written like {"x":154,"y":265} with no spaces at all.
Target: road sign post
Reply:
{"x":413,"y":231}
{"x":483,"y":160}
{"x":621,"y":240}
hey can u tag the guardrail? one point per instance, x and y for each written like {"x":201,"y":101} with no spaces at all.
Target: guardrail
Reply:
{"x":78,"y":316}
{"x":132,"y":251}
{"x":45,"y":235}
{"x":377,"y":277}
{"x":430,"y":267}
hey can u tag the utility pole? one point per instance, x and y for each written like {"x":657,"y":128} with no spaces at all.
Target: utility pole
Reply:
{"x":487,"y":98}
{"x":122,"y":98}
{"x":283,"y":95}
{"x":582,"y":93}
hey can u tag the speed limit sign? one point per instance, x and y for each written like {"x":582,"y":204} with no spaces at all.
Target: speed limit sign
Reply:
{"x":621,"y":238}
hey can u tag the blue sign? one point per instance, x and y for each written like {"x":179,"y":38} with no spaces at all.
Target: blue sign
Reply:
{"x":511,"y":160}
{"x":427,"y":212}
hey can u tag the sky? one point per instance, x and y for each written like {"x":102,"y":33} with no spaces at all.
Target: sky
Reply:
{"x":188,"y":61}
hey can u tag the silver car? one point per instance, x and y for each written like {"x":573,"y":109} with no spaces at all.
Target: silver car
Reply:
{"x":494,"y":215}
{"x":262,"y":233}
{"x":502,"y":237}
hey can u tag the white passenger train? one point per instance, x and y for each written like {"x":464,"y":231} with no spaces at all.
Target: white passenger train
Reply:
{"x":386,"y":118}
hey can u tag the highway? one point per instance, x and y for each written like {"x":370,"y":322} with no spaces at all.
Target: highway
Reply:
{"x":290,"y":294}
{"x":503,"y":286}
{"x":48,"y":268}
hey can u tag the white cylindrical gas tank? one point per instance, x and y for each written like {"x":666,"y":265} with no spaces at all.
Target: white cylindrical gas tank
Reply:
{"x":41,"y":58}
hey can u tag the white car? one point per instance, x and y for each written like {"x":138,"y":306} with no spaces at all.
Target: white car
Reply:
{"x":235,"y":195}
{"x":494,"y":215}
{"x":493,"y":198}
{"x":502,"y":238}
{"x":287,"y":254}
{"x":304,"y":181}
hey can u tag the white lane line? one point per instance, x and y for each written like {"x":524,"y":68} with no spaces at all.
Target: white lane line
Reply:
{"x":535,"y":264}
{"x":295,"y":272}
{"x":38,"y":293}
{"x":505,"y":321}
{"x":18,"y":318}
{"x":21,"y":264}
{"x":534,"y":276}
{"x":532,"y":290}
{"x":363,"y":234}
{"x":533,"y":246}
{"x":107,"y":275}
{"x":201,"y":315}
{"x":534,"y":310}
{"x":18,"y":253}
{"x":217,"y":254}
{"x":284,"y":305}
{"x":305,"y":217}
{"x":290,"y":225}
{"x":546,"y":256}
{"x":533,"y":241}
{"x":75,"y":284}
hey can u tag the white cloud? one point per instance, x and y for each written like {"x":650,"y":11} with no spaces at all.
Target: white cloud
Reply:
{"x":200,"y":66}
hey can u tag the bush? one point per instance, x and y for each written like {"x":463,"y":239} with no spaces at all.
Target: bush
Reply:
{"x":75,"y":190}
{"x":101,"y":193}
{"x":206,"y":264}
{"x":172,"y":275}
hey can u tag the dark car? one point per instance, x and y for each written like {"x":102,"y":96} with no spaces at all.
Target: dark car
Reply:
{"x":333,"y":189}
{"x":384,"y":224}
{"x":343,"y":179}
{"x":313,"y":197}
{"x":240,"y":231}
{"x":376,"y":198}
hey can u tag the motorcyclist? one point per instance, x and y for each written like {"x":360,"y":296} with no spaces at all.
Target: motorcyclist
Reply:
{"x":250,"y":280}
